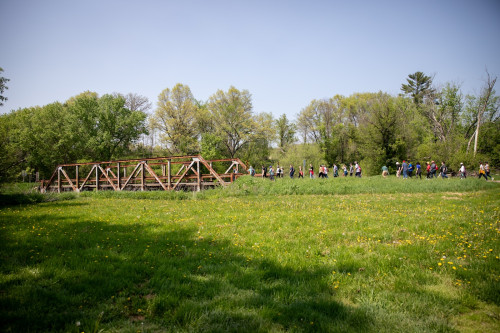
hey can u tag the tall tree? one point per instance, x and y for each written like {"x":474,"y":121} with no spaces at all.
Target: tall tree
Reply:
{"x":176,"y":118}
{"x":285,"y":131}
{"x":418,"y":86}
{"x":3,"y":87}
{"x":380,"y":129}
{"x":257,"y":150}
{"x":325,"y":122}
{"x":485,"y":101}
{"x":442,"y":110}
{"x":233,"y":119}
{"x":12,"y":157}
{"x":135,"y":102}
{"x":103,"y":127}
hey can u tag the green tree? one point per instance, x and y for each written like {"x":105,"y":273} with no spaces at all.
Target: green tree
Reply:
{"x":381,"y":130}
{"x":12,"y":157}
{"x":37,"y":139}
{"x":176,"y":118}
{"x":45,"y":138}
{"x":418,"y":86}
{"x":326,"y":122}
{"x":285,"y":131}
{"x":442,"y":110}
{"x":232,"y":116}
{"x":103,"y":128}
{"x":3,"y":87}
{"x":257,"y":150}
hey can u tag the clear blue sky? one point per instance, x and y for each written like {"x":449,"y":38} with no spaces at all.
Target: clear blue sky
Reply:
{"x":285,"y":53}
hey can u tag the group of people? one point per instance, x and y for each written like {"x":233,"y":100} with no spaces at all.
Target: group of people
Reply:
{"x":406,"y":170}
{"x":484,"y":171}
{"x":272,"y":173}
{"x":323,"y":170}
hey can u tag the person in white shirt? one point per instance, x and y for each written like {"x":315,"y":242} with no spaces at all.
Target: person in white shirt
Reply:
{"x":463,"y":173}
{"x":357,"y":168}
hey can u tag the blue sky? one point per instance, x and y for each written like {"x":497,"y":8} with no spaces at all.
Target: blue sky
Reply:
{"x":285,"y":53}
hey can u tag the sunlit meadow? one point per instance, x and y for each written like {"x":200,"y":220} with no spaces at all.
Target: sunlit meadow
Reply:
{"x":341,"y":255}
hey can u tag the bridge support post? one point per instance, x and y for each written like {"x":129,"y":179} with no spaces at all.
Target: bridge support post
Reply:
{"x":59,"y":180}
{"x":96,"y":178}
{"x":118,"y":176}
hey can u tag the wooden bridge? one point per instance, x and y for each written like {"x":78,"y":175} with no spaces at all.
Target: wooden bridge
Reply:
{"x":159,"y":173}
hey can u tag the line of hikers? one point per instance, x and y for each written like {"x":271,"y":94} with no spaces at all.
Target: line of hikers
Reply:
{"x":322,"y":173}
{"x":404,"y":170}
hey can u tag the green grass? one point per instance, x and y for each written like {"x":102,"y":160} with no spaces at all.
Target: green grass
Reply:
{"x":294,"y":255}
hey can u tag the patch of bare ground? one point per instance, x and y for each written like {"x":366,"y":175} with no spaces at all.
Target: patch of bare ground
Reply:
{"x":453,"y":196}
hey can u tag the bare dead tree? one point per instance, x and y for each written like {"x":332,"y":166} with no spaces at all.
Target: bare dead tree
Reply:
{"x":487,"y":90}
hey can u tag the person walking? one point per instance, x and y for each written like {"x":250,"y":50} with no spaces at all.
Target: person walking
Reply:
{"x":398,"y":170}
{"x":357,"y":168}
{"x":321,"y":172}
{"x":311,"y":171}
{"x":404,"y":169}
{"x":481,"y":171}
{"x":292,"y":171}
{"x":264,"y":172}
{"x":344,"y":167}
{"x":463,"y":172}
{"x":301,"y":172}
{"x":428,"y":170}
{"x":271,"y":173}
{"x":351,"y":170}
{"x":419,"y":170}
{"x":385,"y":171}
{"x":443,"y":170}
{"x":487,"y":170}
{"x":433,"y":169}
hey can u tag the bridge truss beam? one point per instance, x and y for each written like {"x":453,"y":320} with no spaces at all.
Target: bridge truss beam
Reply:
{"x":191,"y":172}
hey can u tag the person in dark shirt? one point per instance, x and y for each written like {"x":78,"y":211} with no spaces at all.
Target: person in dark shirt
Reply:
{"x":443,"y":170}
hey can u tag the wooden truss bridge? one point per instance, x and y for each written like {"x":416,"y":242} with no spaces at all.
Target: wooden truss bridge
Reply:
{"x":159,"y":173}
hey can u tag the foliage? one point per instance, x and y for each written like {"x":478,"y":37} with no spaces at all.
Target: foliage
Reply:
{"x":175,"y":117}
{"x":231,"y":114}
{"x":418,"y":86}
{"x":85,"y":127}
{"x":423,"y":124}
{"x":3,"y":87}
{"x":12,"y":157}
{"x":101,"y":128}
{"x":285,"y":130}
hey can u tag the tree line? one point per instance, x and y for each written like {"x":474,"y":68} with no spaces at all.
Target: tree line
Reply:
{"x":424,"y":122}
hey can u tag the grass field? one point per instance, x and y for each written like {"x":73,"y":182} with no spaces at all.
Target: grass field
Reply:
{"x":336,"y":255}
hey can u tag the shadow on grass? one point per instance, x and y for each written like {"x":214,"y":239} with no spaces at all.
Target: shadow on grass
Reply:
{"x":170,"y":281}
{"x":14,"y":199}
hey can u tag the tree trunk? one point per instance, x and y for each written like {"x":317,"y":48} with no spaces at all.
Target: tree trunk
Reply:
{"x":489,"y":89}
